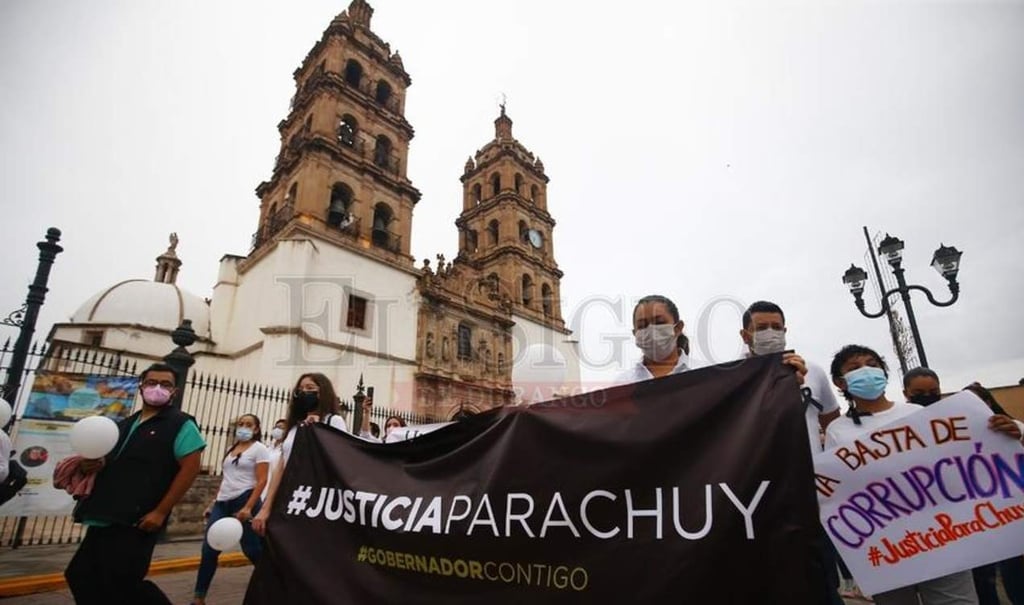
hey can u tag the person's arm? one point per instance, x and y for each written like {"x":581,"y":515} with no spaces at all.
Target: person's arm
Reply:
{"x":1006,"y":425}
{"x":796,"y":362}
{"x":825,"y":419}
{"x":187,"y":472}
{"x":5,"y":455}
{"x":261,"y":481}
{"x":364,"y":429}
{"x":259,"y":522}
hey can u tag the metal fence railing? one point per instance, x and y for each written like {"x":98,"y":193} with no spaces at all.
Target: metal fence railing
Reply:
{"x":214,"y":401}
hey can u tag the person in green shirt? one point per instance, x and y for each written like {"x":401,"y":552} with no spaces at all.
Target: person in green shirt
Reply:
{"x":153,"y":464}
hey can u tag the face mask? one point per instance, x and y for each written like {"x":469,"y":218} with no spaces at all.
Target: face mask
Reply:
{"x":306,"y":401}
{"x":156,"y":395}
{"x":866,"y":383}
{"x":277,"y":433}
{"x":658,"y":341}
{"x":925,"y":399}
{"x":243,"y":433}
{"x":766,"y":342}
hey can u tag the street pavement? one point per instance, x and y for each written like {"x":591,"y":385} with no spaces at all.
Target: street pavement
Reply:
{"x":228,"y":586}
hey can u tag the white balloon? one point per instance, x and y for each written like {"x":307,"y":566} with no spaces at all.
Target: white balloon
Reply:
{"x":94,"y":436}
{"x":224,"y":533}
{"x":539,"y":373}
{"x":5,"y":412}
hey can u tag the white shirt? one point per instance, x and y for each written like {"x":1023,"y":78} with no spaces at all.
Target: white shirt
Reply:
{"x":239,"y":474}
{"x":286,"y":447}
{"x":821,"y":391}
{"x":275,"y":456}
{"x":5,"y":455}
{"x":639,"y":372}
{"x":842,"y":430}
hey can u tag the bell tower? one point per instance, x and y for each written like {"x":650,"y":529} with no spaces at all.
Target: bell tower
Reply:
{"x":341,"y":169}
{"x":505,"y":231}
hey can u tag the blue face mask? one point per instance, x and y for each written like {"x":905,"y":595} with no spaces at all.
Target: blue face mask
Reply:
{"x":867,"y":383}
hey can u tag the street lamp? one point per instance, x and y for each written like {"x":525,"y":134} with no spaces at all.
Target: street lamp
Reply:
{"x":946,"y":261}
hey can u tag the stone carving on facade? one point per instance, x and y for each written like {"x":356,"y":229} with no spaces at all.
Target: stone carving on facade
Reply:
{"x":429,"y":345}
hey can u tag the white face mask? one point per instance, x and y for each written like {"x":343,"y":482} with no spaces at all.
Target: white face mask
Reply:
{"x":658,"y":342}
{"x":277,"y":433}
{"x":766,"y":342}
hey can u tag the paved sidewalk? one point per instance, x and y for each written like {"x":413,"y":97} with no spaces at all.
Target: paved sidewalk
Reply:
{"x":39,"y":560}
{"x":228,"y":589}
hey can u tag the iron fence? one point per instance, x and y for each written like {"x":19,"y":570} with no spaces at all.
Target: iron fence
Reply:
{"x":53,"y":529}
{"x":214,"y":401}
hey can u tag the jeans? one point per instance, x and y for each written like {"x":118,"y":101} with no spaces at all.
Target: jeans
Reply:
{"x":252,"y":546}
{"x":1012,"y":571}
{"x":110,"y":566}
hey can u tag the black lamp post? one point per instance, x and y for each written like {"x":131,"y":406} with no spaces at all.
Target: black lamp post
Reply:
{"x":25,"y":318}
{"x":181,"y":359}
{"x":946,"y":261}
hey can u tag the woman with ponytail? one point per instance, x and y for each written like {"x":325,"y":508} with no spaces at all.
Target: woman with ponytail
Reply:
{"x":243,"y":478}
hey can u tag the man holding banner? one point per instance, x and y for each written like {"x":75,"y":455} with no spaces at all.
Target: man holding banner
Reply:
{"x":913,"y":497}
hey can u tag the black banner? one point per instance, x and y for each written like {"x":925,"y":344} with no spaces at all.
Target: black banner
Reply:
{"x":695,"y":488}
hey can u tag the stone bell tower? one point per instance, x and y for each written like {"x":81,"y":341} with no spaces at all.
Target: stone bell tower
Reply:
{"x":505,"y":230}
{"x":341,"y":169}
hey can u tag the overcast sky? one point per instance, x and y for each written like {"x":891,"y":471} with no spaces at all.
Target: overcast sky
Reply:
{"x":708,"y":151}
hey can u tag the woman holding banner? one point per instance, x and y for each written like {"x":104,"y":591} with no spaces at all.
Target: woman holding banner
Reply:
{"x":862,"y":376}
{"x":313,"y":400}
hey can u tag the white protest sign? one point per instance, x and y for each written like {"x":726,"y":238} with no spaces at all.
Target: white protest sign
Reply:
{"x":405,"y":433}
{"x":930,"y":494}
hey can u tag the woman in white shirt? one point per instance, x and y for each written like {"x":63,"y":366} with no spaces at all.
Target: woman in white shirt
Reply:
{"x":658,"y":331}
{"x":861,"y":375}
{"x":313,"y":401}
{"x":243,"y":478}
{"x":276,"y":441}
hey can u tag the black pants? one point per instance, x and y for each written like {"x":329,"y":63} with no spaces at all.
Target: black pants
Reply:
{"x":110,"y":567}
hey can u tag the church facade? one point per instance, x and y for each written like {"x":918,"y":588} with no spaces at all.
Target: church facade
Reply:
{"x":330,"y":284}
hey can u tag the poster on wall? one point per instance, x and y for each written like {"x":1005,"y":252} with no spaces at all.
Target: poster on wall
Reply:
{"x":58,"y":400}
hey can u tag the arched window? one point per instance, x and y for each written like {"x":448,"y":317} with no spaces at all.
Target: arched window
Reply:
{"x":337,"y":213}
{"x":519,"y":184}
{"x":471,"y":241}
{"x":527,"y":290}
{"x":383,"y":92}
{"x":308,"y":124}
{"x":465,"y":344}
{"x":347,"y":129}
{"x":495,"y":184}
{"x":382,"y":151}
{"x":353,"y":73}
{"x":492,"y":230}
{"x":382,"y":217}
{"x":477,"y":193}
{"x":534,"y":192}
{"x":293,"y":192}
{"x":546,"y":299}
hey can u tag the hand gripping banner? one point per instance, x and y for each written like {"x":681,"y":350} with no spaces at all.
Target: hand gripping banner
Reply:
{"x":694,"y":488}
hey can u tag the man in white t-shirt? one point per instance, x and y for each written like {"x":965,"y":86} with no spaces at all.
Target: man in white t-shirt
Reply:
{"x":764,"y":333}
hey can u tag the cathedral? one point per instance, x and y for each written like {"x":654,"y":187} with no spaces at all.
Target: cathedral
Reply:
{"x":329,"y":284}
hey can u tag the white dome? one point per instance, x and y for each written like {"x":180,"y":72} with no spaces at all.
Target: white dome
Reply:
{"x":145,"y":303}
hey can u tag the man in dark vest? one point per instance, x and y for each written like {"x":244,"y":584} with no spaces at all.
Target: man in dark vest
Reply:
{"x":155,"y":461}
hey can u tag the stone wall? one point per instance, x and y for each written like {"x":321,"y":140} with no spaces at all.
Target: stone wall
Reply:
{"x":187,"y":516}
